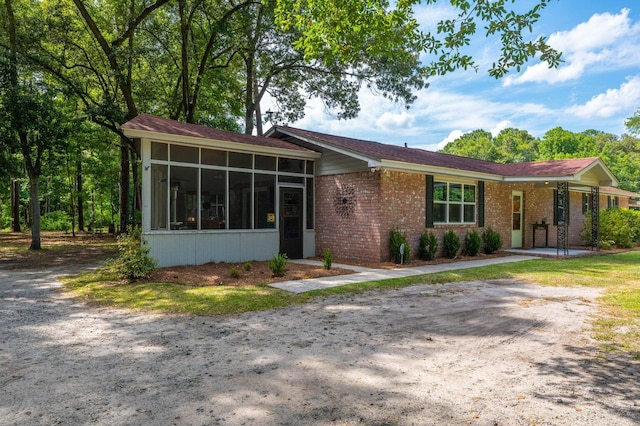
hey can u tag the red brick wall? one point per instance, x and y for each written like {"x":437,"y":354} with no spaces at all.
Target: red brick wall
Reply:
{"x":349,"y":234}
{"x":402,"y":205}
{"x":386,"y":199}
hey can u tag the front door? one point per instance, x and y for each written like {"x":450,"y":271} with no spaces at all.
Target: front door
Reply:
{"x":291,"y":222}
{"x":516,"y":221}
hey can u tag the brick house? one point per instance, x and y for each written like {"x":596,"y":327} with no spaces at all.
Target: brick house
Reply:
{"x":211,"y":195}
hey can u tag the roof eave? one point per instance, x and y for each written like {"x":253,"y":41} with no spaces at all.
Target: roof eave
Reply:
{"x":215,"y":143}
{"x":371,"y":161}
{"x":420,"y":168}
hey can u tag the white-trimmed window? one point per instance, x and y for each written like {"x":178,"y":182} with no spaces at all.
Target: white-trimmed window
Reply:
{"x":454,"y":203}
{"x":195,"y":188}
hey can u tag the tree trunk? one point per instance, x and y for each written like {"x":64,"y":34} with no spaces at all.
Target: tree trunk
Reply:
{"x":137,"y":196}
{"x":80,"y":198}
{"x":124,"y":185}
{"x":15,"y":206}
{"x":248,"y":97}
{"x":34,"y":207}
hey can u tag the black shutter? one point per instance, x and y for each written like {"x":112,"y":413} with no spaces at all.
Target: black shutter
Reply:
{"x":480,"y":204}
{"x":555,"y":207}
{"x":585,"y":203}
{"x":429,"y":202}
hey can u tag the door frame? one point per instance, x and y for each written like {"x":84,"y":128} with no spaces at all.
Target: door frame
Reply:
{"x":297,"y":251}
{"x":517,"y":235}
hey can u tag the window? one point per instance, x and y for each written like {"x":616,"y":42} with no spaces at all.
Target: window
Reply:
{"x":199,"y":188}
{"x":265,"y":201}
{"x":184,"y":154}
{"x":213,"y":196}
{"x":586,"y":202}
{"x":613,"y":202}
{"x":159,"y":196}
{"x":183,"y":211}
{"x":454,"y":202}
{"x":239,"y":200}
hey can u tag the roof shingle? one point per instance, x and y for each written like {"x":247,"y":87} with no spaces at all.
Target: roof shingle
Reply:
{"x":150,"y":123}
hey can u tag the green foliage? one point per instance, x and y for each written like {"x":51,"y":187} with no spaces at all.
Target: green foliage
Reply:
{"x":451,"y":244}
{"x":234,"y":273}
{"x":472,"y":243}
{"x":492,"y":241}
{"x":133,"y":261}
{"x":396,"y":239}
{"x":327,"y":259}
{"x":633,"y":123}
{"x":278,"y":264}
{"x":345,"y":32}
{"x":428,"y":246}
{"x":56,"y":221}
{"x":619,"y":227}
{"x":246,"y":267}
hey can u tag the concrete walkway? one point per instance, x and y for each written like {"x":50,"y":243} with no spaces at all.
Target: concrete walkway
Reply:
{"x":368,"y":274}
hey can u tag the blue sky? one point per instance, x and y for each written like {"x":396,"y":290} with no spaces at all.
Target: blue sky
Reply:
{"x":597,"y":87}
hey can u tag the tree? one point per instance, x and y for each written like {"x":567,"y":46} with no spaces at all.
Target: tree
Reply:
{"x":475,"y":144}
{"x":272,"y":65}
{"x":339,"y":31}
{"x":515,"y":146}
{"x":633,"y":124}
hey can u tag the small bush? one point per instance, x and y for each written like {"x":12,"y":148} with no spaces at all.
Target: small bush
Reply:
{"x":133,"y":261}
{"x":428,"y":246}
{"x":234,"y":272}
{"x":55,"y":221}
{"x":619,"y":227}
{"x":278,"y":265}
{"x":327,"y":259}
{"x":472,"y":243}
{"x":246,"y":267}
{"x":396,"y":240}
{"x":492,"y":241}
{"x":451,"y":244}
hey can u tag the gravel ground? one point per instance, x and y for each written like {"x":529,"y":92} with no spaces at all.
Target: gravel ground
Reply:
{"x":481,"y":353}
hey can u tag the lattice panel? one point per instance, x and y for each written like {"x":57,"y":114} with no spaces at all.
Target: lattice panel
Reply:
{"x":563,"y":220}
{"x":594,"y":207}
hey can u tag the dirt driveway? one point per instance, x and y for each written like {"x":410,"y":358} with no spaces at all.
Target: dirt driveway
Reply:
{"x":480,"y":353}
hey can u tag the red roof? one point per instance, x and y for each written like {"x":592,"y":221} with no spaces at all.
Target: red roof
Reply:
{"x":155,"y":124}
{"x":380,"y":151}
{"x":567,"y":167}
{"x":417,"y":156}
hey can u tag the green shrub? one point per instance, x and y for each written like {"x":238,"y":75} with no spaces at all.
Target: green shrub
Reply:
{"x":327,"y":259}
{"x":234,"y":272}
{"x":278,"y":265}
{"x":55,"y":221}
{"x":451,"y":244}
{"x":472,"y":243}
{"x":246,"y":267}
{"x":492,"y":241}
{"x":619,"y":227}
{"x":428,"y":246}
{"x":133,"y":261}
{"x":396,"y":240}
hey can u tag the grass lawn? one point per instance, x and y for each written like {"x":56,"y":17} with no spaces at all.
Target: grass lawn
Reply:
{"x":618,"y":274}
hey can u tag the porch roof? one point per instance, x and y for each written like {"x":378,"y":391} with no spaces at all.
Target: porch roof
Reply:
{"x":582,"y":171}
{"x":152,"y":127}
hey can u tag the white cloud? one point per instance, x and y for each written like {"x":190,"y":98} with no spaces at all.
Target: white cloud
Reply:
{"x":613,"y":101}
{"x":604,"y":41}
{"x":455,"y":134}
{"x":500,"y":127}
{"x":391,"y":120}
